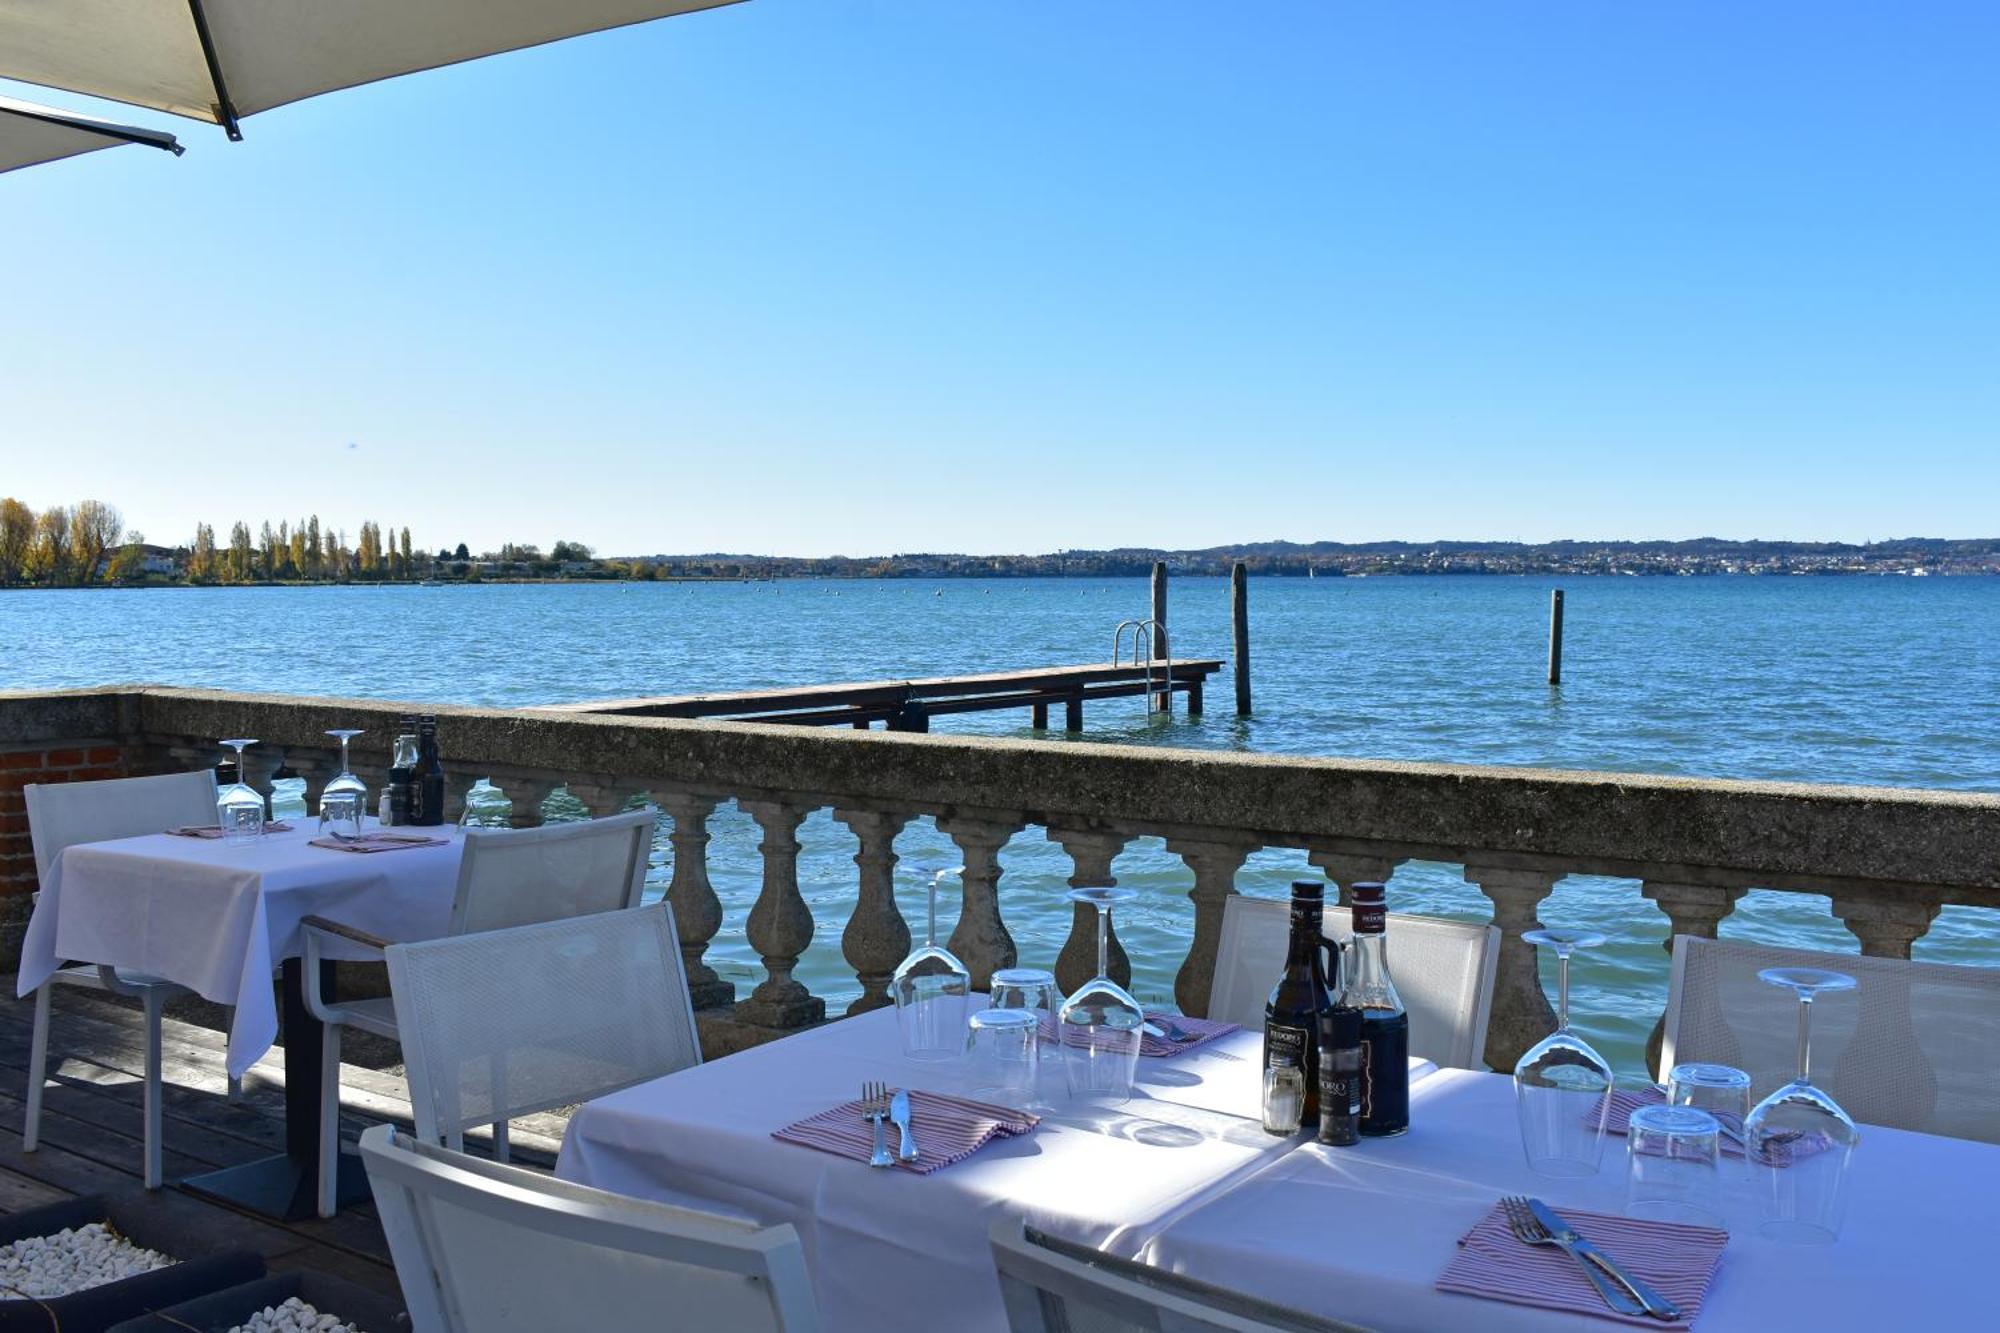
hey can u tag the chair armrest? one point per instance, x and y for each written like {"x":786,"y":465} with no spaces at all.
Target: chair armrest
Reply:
{"x":321,"y":1005}
{"x":352,"y":934}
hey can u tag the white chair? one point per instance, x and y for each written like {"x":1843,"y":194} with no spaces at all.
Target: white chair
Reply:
{"x":485,"y":1248}
{"x":507,"y":877}
{"x":1051,"y":1285}
{"x":62,"y":815}
{"x":1442,"y":969}
{"x":1913,"y":1046}
{"x":511,"y":1022}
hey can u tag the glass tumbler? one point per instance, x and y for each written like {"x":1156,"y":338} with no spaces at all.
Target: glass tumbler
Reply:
{"x":1004,"y":1049}
{"x":1721,"y":1090}
{"x":1672,"y":1166}
{"x":340,"y":815}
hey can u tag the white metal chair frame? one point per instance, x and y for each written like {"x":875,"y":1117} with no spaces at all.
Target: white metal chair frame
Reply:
{"x":1240,"y":984}
{"x":63,"y":815}
{"x":424,"y":1193}
{"x":1045,"y":1281}
{"x":475,"y":907}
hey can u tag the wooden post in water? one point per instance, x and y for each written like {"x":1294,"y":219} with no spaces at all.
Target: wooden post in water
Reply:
{"x":1556,"y":637}
{"x":1164,"y":701}
{"x":1239,"y":624}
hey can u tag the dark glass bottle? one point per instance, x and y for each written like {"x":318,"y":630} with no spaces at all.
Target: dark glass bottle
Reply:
{"x":403,"y":773}
{"x":1340,"y":1076}
{"x":1301,"y":1000}
{"x":427,"y":793}
{"x":1385,"y":1024}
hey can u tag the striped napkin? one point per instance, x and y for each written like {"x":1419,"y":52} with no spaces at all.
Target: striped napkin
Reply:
{"x":1678,"y":1260}
{"x":1625,"y":1101}
{"x":948,"y":1129}
{"x":378,"y":842}
{"x":215,"y":830}
{"x":1202,"y":1030}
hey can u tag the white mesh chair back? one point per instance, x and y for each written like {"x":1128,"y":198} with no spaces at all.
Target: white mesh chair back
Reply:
{"x":506,"y":1023}
{"x":512,"y":877}
{"x":1051,"y":1285}
{"x":1913,"y":1046}
{"x":63,"y":814}
{"x":1443,"y":970}
{"x":485,"y":1248}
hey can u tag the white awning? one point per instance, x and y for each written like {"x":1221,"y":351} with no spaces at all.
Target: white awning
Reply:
{"x":218,"y":60}
{"x":30,"y":133}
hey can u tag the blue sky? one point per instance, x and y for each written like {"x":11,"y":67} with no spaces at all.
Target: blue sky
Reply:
{"x":856,"y":276}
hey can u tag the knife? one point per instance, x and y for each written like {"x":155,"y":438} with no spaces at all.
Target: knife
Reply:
{"x":899,"y":1116}
{"x":1656,"y":1305}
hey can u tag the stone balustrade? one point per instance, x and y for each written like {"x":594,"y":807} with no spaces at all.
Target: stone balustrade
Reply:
{"x":1889,"y":859}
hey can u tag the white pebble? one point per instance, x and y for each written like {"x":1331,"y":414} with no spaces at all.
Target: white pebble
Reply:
{"x":72,"y":1260}
{"x":294,"y":1316}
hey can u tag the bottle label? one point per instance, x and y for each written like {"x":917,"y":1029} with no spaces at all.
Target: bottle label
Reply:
{"x":1370,"y":918}
{"x":1284,"y":1045}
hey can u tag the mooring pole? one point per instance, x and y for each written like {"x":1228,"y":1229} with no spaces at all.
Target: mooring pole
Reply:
{"x":1165,"y":700}
{"x":1556,"y":637}
{"x":1239,"y":628}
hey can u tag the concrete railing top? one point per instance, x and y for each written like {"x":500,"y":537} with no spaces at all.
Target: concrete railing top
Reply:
{"x":1690,"y":830}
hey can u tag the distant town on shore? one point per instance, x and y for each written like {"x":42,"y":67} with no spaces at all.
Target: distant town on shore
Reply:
{"x":87,"y":544}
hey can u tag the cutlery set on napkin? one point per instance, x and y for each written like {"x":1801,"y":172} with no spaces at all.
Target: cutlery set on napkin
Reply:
{"x":215,"y":830}
{"x":934,"y":1129}
{"x":381,"y":840}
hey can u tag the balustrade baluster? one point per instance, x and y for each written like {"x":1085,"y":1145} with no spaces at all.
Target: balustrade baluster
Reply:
{"x":1522,"y":1015}
{"x":1091,"y":853}
{"x":697,"y":911}
{"x":1693,"y":909}
{"x":980,"y":938}
{"x":1889,"y":920}
{"x":1345,"y":870}
{"x":781,"y":925}
{"x":877,"y":938}
{"x":1214,"y":861}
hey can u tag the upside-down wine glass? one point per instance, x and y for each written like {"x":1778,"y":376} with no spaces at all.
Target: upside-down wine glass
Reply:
{"x":1798,"y":1139}
{"x":932,"y":990}
{"x":239,"y":807}
{"x":1099,"y":1025}
{"x":1562,"y":1088}
{"x":345,"y":781}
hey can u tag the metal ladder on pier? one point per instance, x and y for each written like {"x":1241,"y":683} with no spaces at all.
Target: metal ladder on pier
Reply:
{"x":1142,"y":631}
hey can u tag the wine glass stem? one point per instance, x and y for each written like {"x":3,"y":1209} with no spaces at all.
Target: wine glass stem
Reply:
{"x":1103,"y":941}
{"x":1562,"y":990}
{"x":1805,"y":1037}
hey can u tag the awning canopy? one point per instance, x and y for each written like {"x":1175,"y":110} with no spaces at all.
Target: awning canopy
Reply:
{"x":218,"y":60}
{"x":30,"y":133}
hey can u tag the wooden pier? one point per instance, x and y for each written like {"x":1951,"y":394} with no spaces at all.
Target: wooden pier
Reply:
{"x":909,"y":705}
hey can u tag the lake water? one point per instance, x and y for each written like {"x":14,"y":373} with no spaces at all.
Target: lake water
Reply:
{"x":1893,"y":681}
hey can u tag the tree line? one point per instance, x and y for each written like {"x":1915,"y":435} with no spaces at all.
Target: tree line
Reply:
{"x":61,"y":545}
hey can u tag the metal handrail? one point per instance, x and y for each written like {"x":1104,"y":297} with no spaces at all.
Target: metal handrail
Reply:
{"x":1145,"y":628}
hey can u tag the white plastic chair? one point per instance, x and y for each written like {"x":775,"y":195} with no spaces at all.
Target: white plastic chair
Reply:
{"x":62,"y":815}
{"x":1051,"y":1285}
{"x":485,"y":1248}
{"x":1913,"y":1046}
{"x":1442,"y":969}
{"x":511,"y":1022}
{"x":507,"y":877}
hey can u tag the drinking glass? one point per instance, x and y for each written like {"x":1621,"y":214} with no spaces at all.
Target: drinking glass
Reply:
{"x":1561,"y":1086}
{"x":288,"y":798}
{"x":345,"y":781}
{"x":1099,"y":1025}
{"x":1672,"y":1160}
{"x":1005,"y":1047}
{"x":239,"y":807}
{"x":340,"y":815}
{"x":932,"y":990}
{"x":1798,"y":1139}
{"x":1033,"y":991}
{"x":1720,"y":1090}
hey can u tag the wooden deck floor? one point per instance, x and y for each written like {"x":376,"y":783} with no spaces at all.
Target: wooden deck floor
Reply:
{"x":91,"y":1133}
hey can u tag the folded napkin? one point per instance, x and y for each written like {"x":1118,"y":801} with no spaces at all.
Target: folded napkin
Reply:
{"x":215,"y":830}
{"x":1200,"y":1030}
{"x":1625,"y":1101}
{"x":948,"y":1129}
{"x":378,"y":842}
{"x":1678,"y":1260}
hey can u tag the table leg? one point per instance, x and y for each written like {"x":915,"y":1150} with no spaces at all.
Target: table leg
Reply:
{"x":284,"y":1186}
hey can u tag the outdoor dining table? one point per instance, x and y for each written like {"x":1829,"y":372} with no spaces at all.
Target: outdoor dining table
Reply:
{"x":890,"y":1248}
{"x":218,"y":919}
{"x":1362,"y":1233}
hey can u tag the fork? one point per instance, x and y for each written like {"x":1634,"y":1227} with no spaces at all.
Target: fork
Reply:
{"x":1529,"y":1231}
{"x":875,"y":1108}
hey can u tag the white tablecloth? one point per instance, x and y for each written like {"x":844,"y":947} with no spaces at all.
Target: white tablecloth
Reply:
{"x":217,"y":919}
{"x":1362,"y":1233}
{"x":886,"y":1247}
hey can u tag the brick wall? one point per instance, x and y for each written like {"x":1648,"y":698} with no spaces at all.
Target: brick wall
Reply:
{"x":62,"y":761}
